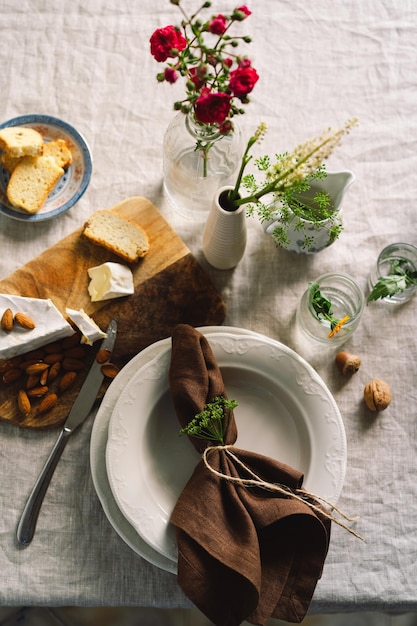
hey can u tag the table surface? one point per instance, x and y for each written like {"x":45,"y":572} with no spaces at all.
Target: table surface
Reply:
{"x":320,"y":64}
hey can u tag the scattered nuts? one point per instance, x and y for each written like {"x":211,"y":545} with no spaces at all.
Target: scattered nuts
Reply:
{"x":103,"y":355}
{"x":10,"y":376}
{"x":67,"y":380}
{"x":377,"y":395}
{"x":23,"y":402}
{"x":24,"y":321}
{"x":69,"y":364}
{"x":37,"y":392}
{"x":347,"y":363}
{"x":6,"y":321}
{"x":109,"y":370}
{"x":47,"y":403}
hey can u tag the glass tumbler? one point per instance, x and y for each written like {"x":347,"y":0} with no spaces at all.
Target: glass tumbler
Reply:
{"x":395,"y":252}
{"x":347,"y":299}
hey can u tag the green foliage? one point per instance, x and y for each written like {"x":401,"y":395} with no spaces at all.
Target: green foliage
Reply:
{"x":212,"y":422}
{"x":399,"y":278}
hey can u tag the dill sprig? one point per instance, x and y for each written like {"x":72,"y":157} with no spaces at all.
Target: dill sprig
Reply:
{"x":212,"y":422}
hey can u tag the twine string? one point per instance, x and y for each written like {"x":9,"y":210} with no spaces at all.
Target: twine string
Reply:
{"x":298,"y":494}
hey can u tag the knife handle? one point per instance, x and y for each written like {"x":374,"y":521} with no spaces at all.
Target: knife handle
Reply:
{"x":27,"y":524}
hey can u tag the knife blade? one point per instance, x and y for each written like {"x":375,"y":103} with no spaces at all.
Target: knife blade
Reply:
{"x":79,"y":411}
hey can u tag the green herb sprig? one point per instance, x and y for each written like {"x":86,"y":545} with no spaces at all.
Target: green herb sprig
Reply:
{"x":399,"y":278}
{"x":212,"y":422}
{"x":323,"y":309}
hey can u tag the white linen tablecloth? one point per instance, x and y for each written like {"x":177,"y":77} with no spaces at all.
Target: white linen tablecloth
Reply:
{"x":320,"y":63}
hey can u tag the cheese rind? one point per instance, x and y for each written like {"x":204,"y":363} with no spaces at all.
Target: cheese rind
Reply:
{"x":110,"y":280}
{"x":88,"y":328}
{"x":50,"y":325}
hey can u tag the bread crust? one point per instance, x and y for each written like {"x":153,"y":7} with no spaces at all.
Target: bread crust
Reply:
{"x":118,"y":234}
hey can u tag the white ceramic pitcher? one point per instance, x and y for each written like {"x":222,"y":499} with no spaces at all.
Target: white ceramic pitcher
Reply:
{"x":335,"y":184}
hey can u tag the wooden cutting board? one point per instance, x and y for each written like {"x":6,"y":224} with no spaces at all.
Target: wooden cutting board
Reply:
{"x":170,"y":288}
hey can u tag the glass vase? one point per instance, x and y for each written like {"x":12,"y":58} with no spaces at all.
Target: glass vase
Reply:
{"x":346,"y":298}
{"x":395,"y":252}
{"x":197,"y":161}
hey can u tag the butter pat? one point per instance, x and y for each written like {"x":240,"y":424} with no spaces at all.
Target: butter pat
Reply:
{"x":89,"y":330}
{"x":50,"y":325}
{"x":110,"y":280}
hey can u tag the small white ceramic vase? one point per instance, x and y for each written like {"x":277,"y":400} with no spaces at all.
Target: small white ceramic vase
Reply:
{"x":224,"y":235}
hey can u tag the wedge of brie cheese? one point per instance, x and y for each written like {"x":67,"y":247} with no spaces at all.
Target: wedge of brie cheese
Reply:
{"x":50,"y":325}
{"x":110,"y":280}
{"x":89,"y":330}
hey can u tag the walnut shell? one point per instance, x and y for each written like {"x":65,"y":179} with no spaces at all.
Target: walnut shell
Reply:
{"x":377,"y":395}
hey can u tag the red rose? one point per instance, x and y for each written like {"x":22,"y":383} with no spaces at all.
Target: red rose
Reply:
{"x":218,"y":25}
{"x":170,"y":75}
{"x":164,"y":41}
{"x":242,"y":81}
{"x":212,"y":108}
{"x":242,"y":12}
{"x":198,"y":76}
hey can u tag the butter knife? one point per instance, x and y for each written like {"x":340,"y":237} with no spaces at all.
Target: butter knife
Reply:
{"x":80,"y":409}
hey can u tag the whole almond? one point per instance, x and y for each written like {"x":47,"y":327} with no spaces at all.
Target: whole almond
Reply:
{"x":71,"y":341}
{"x":110,"y":370}
{"x":54,"y":346}
{"x":36,"y":368}
{"x":37,"y":392}
{"x":23,"y":402}
{"x":6,"y":321}
{"x":43,"y":378}
{"x":47,"y":403}
{"x":70,"y":364}
{"x":54,"y":357}
{"x":10,"y":376}
{"x":24,"y":321}
{"x":103,"y":355}
{"x":32,"y":381}
{"x":53,"y":371}
{"x":67,"y":380}
{"x":77,"y":352}
{"x":10,"y":364}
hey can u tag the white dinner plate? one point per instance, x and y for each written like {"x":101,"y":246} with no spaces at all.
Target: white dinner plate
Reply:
{"x":72,"y":183}
{"x":285,"y":411}
{"x":98,"y":445}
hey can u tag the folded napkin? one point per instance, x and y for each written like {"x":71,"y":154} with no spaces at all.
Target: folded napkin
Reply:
{"x":244,"y":552}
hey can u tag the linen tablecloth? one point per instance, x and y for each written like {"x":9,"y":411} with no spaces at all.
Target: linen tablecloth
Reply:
{"x":320,"y":64}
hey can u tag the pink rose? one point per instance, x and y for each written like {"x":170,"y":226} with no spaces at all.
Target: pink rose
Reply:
{"x":164,"y":40}
{"x":218,"y":25}
{"x":212,"y":107}
{"x":242,"y":81}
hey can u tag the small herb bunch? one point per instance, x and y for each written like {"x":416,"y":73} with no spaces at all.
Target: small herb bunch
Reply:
{"x":399,"y":278}
{"x":212,"y":422}
{"x":203,"y":52}
{"x":288,"y":180}
{"x":323,"y":309}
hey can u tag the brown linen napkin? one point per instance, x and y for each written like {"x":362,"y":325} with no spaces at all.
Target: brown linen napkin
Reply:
{"x":244,"y":553}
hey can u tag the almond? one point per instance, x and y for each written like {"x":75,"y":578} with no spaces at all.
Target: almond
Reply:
{"x":109,"y":370}
{"x":10,"y":376}
{"x":47,"y":403}
{"x":23,"y":402}
{"x":32,"y":381}
{"x":70,"y":364}
{"x":6,"y":321}
{"x":71,"y":341}
{"x":36,"y":368}
{"x":54,"y":357}
{"x":9,"y":364}
{"x":67,"y":380}
{"x":37,"y":392}
{"x":43,"y":378}
{"x":54,"y":346}
{"x":103,"y":356}
{"x":53,"y":371}
{"x":78,"y":352}
{"x":24,"y":321}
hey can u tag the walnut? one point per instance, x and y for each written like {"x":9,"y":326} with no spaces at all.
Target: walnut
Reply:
{"x":377,"y":395}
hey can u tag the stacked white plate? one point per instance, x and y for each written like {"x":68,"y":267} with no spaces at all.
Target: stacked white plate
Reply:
{"x":140,"y":464}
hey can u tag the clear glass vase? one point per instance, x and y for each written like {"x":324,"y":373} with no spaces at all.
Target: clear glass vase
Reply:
{"x":197,"y":161}
{"x":406,"y":253}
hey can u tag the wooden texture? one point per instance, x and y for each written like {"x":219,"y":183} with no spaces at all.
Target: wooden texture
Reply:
{"x":170,"y":288}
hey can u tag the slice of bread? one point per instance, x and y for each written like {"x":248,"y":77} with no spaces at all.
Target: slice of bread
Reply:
{"x":58,"y":148}
{"x":118,"y":234}
{"x":32,"y":181}
{"x":20,"y":141}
